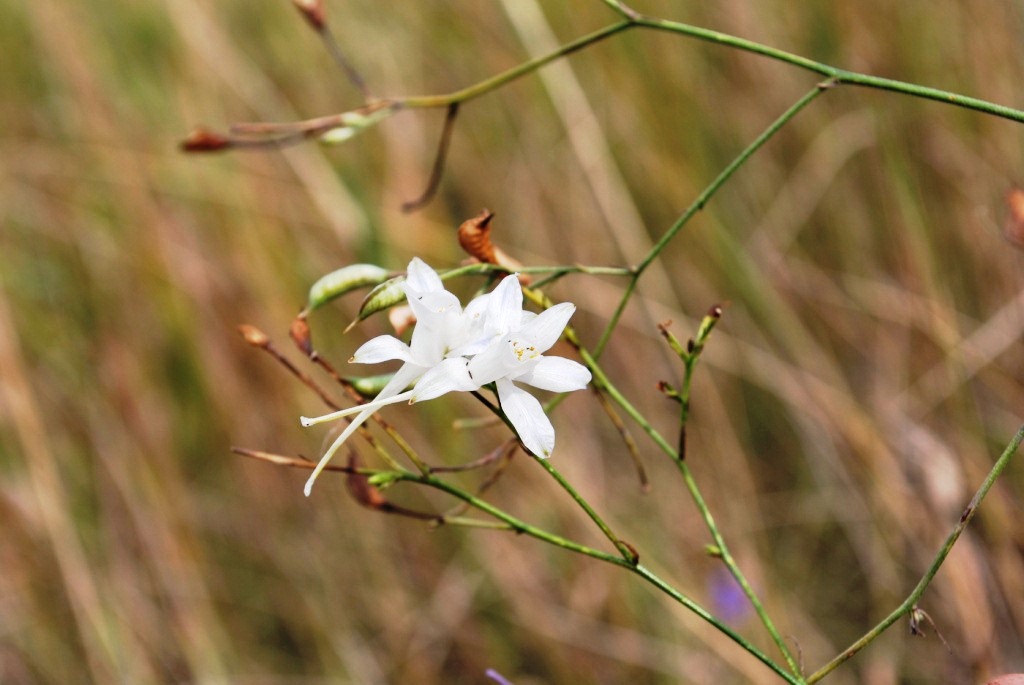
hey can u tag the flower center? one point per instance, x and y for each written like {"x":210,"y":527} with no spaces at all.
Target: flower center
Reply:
{"x":524,"y":352}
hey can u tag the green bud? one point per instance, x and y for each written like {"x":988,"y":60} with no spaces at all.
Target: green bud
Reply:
{"x":347,"y":279}
{"x":370,"y":386}
{"x":387,"y":294}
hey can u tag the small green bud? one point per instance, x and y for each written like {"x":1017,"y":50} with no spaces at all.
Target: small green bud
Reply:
{"x":344,"y":280}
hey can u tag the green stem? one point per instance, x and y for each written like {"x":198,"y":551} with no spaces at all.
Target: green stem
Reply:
{"x":633,"y":19}
{"x":732,"y":566}
{"x":697,"y":205}
{"x":605,"y":384}
{"x":522,"y":527}
{"x":602,"y":381}
{"x":839,"y":76}
{"x":940,"y":557}
{"x":627,"y":552}
{"x":641,"y":571}
{"x":726,"y":174}
{"x":495,"y":82}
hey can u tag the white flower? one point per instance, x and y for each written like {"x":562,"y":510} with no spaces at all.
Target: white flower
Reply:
{"x":516,"y":353}
{"x":492,"y":341}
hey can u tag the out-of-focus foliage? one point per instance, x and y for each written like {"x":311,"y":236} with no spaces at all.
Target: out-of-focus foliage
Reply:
{"x":866,"y":371}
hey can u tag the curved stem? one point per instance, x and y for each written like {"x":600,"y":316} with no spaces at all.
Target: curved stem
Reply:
{"x":940,"y":557}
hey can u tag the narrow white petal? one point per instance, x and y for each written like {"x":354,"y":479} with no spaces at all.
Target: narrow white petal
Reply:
{"x":545,"y":330}
{"x":381,"y":349}
{"x":308,"y":421}
{"x":335,"y":446}
{"x":555,"y":374}
{"x":421,"y":277}
{"x":450,"y":375}
{"x":528,"y":418}
{"x":377,"y":403}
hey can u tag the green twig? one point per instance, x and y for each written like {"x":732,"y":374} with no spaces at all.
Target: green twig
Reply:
{"x":625,"y":549}
{"x":689,"y":354}
{"x":521,"y":527}
{"x":839,"y":76}
{"x":912,"y":599}
{"x":495,"y":82}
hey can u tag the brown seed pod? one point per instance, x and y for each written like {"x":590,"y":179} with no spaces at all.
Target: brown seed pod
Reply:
{"x":205,"y":140}
{"x":253,"y":335}
{"x":1013,"y":227}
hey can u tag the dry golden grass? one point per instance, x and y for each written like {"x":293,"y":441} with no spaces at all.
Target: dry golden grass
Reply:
{"x":867,"y":371}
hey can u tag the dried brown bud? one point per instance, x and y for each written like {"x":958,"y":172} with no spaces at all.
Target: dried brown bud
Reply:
{"x":254,"y":336}
{"x":401,"y":318}
{"x":205,"y":140}
{"x":475,"y":237}
{"x":1013,"y":228}
{"x":301,"y":335}
{"x":313,"y":11}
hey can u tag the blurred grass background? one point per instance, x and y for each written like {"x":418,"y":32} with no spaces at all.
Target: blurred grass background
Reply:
{"x":866,"y":373}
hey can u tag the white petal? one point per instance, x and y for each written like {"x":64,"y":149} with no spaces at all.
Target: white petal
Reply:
{"x":478,"y":306}
{"x":402,"y":379}
{"x":505,"y":306}
{"x":544,"y":330}
{"x":528,"y":418}
{"x":381,"y":349}
{"x":427,"y":307}
{"x":448,"y":376}
{"x":496,"y":360}
{"x":555,"y":374}
{"x":421,"y":277}
{"x":427,"y":345}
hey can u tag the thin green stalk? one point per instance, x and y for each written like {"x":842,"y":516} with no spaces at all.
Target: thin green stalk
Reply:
{"x":495,"y":82}
{"x":725,"y":555}
{"x":697,"y":205}
{"x":633,"y":19}
{"x":522,"y":527}
{"x":647,"y":575}
{"x":627,"y":552}
{"x":727,"y":172}
{"x":840,"y":76}
{"x":940,"y":557}
{"x":689,"y":354}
